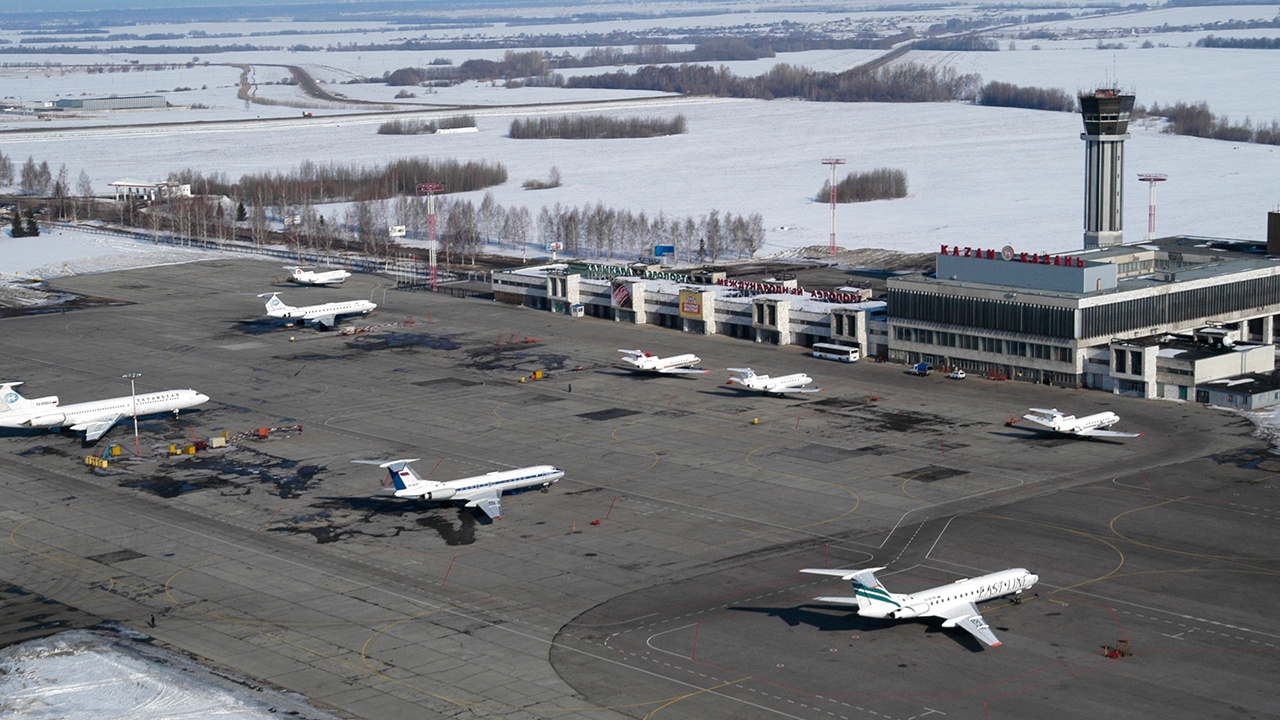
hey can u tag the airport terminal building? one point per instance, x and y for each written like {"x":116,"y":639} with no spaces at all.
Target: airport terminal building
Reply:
{"x":1158,"y":319}
{"x":1180,"y":318}
{"x":705,"y":302}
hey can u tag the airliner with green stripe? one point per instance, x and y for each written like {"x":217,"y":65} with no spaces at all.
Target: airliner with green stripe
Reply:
{"x":955,"y":603}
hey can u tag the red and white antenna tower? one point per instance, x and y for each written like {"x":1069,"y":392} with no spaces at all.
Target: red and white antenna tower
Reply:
{"x":430,"y":189}
{"x":833,"y":162}
{"x":1151,"y":179}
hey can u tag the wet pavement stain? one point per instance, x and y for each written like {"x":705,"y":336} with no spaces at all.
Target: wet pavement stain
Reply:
{"x":170,"y":487}
{"x":238,"y":467}
{"x":402,"y":341}
{"x":519,"y":357}
{"x":341,"y":518}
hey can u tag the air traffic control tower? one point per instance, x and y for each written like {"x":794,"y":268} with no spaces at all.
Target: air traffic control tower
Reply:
{"x":1106,"y":127}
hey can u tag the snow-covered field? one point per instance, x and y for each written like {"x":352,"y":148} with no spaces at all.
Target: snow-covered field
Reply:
{"x":88,"y":674}
{"x":977,"y":176}
{"x":60,"y":251}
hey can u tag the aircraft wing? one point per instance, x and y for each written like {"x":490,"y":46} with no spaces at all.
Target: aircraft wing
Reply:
{"x":967,"y":618}
{"x":490,"y":503}
{"x":1107,"y":433}
{"x":794,"y":390}
{"x":683,"y":371}
{"x":94,"y":429}
{"x":1038,"y":419}
{"x":326,"y":320}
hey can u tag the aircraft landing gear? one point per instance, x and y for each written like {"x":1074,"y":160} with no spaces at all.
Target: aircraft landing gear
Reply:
{"x":546,"y":488}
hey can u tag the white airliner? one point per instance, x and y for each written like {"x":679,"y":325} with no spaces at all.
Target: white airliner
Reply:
{"x":95,"y":418}
{"x":1088,"y":426}
{"x":482,"y":491}
{"x":955,"y":603}
{"x":324,"y":316}
{"x":676,"y":364}
{"x":303,"y":276}
{"x":747,"y":379}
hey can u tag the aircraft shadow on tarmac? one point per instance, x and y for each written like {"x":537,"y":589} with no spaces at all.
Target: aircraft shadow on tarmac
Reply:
{"x":840,"y":620}
{"x":645,"y":377}
{"x":456,"y":526}
{"x":1044,"y":438}
{"x":400,"y":506}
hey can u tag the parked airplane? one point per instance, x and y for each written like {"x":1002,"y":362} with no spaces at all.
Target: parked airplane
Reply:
{"x":747,"y":379}
{"x":676,"y":364}
{"x":304,"y":276}
{"x":482,"y":491}
{"x":324,"y":316}
{"x":1087,"y":426}
{"x":96,"y":417}
{"x":956,"y":603}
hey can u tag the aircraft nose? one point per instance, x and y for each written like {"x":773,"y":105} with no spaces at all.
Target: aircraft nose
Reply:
{"x":202,"y":398}
{"x":1032,"y":579}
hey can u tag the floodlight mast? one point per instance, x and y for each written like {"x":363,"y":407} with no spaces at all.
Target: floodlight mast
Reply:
{"x":133,"y":376}
{"x":833,"y":162}
{"x":1151,"y":179}
{"x":430,"y":189}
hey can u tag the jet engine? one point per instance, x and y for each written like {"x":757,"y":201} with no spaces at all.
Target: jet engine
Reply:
{"x":53,"y":420}
{"x":443,"y":493}
{"x":910,"y":611}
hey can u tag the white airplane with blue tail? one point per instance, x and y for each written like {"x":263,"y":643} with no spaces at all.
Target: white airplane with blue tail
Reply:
{"x":481,"y":491}
{"x":305,"y":276}
{"x":323,"y":316}
{"x":93,"y":418}
{"x":747,"y":379}
{"x":956,"y":603}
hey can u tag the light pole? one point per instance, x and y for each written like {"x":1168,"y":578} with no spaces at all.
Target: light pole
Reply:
{"x":133,"y":395}
{"x":430,"y":189}
{"x":833,"y":162}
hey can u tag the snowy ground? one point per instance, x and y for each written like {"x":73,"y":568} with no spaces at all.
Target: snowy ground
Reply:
{"x":90,"y":674}
{"x":60,"y":251}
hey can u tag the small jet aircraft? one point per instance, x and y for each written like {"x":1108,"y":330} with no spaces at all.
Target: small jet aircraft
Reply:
{"x":324,"y":316}
{"x":481,"y":491}
{"x":1087,"y":426}
{"x":956,"y":603}
{"x":676,"y":364}
{"x":304,"y":276}
{"x":747,"y":379}
{"x":94,"y":418}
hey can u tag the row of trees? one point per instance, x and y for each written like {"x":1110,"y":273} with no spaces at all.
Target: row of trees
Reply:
{"x":38,"y":179}
{"x":1001,"y":94}
{"x":314,"y":183}
{"x":425,"y":127}
{"x":1254,"y":43}
{"x":905,"y":82}
{"x":580,"y":127}
{"x":1197,"y":120}
{"x":878,"y":184}
{"x":465,"y":228}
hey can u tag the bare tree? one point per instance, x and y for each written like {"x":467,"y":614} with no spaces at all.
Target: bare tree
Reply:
{"x":84,"y":188}
{"x":29,"y":179}
{"x":488,"y":217}
{"x":6,"y":169}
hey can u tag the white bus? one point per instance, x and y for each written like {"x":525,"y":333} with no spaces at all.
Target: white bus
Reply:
{"x":841,"y":353}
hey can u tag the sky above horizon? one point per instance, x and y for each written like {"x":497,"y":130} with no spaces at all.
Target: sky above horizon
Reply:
{"x":47,"y":6}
